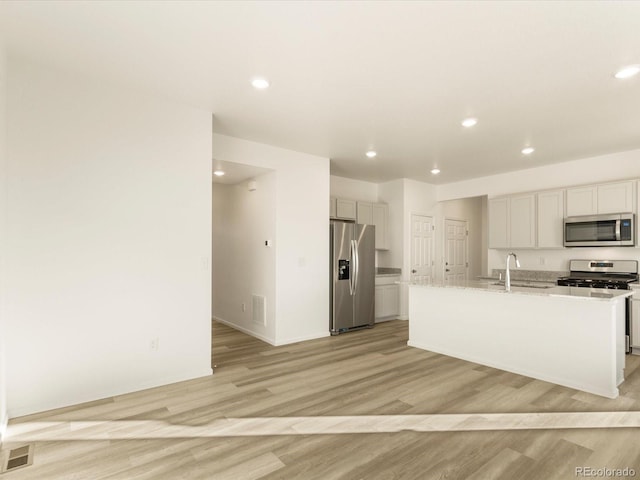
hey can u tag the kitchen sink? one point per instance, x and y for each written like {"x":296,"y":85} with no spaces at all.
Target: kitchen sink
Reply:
{"x":526,"y":285}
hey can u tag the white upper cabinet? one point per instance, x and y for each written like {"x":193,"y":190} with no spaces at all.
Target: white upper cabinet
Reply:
{"x":499,"y":223}
{"x":550,"y":219}
{"x":582,"y":201}
{"x":536,"y":219}
{"x":345,"y":209}
{"x":333,"y":207}
{"x":365,"y":213}
{"x":615,"y":197}
{"x":381,"y":220}
{"x":598,"y":199}
{"x":376,"y":214}
{"x":522,"y":221}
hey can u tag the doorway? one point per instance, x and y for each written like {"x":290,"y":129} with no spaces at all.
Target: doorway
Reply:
{"x":456,"y":251}
{"x":421,"y":249}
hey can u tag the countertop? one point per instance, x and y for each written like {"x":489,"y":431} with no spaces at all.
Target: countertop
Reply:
{"x":388,"y":272}
{"x":555,"y":291}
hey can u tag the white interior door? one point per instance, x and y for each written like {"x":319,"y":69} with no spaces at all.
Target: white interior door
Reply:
{"x":421,"y":249}
{"x":456,"y":264}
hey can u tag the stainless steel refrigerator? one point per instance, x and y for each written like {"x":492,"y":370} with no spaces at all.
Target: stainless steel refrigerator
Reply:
{"x":352,"y":276}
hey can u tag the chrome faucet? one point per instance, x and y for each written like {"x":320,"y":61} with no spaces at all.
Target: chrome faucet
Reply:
{"x":507,"y":277}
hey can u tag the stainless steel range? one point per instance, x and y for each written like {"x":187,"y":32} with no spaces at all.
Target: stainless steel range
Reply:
{"x":615,"y":274}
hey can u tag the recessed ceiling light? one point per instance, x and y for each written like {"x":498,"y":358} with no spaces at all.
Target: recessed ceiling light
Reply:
{"x":260,"y":83}
{"x":218,"y":173}
{"x":435,"y":171}
{"x":528,"y":150}
{"x":627,"y":72}
{"x":371,"y":154}
{"x":469,"y":122}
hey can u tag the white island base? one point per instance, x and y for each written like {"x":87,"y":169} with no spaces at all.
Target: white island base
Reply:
{"x":573,"y":340}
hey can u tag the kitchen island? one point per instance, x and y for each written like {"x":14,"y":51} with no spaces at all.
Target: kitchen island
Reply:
{"x":565,"y":335}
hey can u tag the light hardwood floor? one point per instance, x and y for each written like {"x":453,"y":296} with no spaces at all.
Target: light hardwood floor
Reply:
{"x":364,"y":373}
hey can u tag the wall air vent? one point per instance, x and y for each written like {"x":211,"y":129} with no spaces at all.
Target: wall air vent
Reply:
{"x":16,"y":458}
{"x":259,"y":309}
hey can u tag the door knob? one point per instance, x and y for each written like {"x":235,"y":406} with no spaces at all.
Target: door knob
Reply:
{"x":414,"y":271}
{"x":447,"y":270}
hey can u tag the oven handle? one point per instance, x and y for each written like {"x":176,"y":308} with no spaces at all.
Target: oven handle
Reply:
{"x":618,"y":230}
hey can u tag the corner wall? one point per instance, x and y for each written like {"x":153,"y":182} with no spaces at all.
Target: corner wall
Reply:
{"x":109,"y":217}
{"x":242,"y":265}
{"x":302,"y":234}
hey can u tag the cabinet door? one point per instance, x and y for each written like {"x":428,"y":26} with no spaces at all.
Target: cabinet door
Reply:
{"x":333,"y":207}
{"x":550,"y":219}
{"x":499,"y":223}
{"x":380,"y":219}
{"x":345,"y":209}
{"x":379,"y":301}
{"x":365,"y":213}
{"x":582,"y":201}
{"x":522,"y":221}
{"x":615,"y":197}
{"x":391,"y":296}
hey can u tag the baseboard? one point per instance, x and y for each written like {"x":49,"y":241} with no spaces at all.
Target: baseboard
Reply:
{"x":275,"y":343}
{"x":99,"y":395}
{"x":245,"y":330}
{"x":305,"y":338}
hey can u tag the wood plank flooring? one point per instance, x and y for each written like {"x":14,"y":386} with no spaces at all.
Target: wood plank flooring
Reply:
{"x":287,"y":399}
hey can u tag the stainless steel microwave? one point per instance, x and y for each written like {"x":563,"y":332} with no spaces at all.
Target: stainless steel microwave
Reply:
{"x":600,"y":230}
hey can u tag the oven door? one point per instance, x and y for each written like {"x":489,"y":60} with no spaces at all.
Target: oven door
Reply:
{"x":599,"y":230}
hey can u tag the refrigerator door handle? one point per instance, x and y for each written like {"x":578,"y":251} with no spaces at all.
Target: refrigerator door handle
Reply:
{"x":351,"y":267}
{"x":357,"y":257}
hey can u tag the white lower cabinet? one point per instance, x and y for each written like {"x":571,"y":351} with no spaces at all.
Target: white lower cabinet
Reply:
{"x":387,"y":297}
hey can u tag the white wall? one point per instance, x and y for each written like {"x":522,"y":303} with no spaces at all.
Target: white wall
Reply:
{"x":3,"y":191}
{"x":353,"y":189}
{"x":599,"y":169}
{"x":109,"y":218}
{"x":242,"y":265}
{"x":302,"y":233}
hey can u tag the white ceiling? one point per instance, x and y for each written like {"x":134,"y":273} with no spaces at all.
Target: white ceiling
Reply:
{"x":348,"y":76}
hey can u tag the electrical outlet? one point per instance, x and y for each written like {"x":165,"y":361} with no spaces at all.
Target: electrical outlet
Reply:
{"x":244,"y":307}
{"x":541,"y":261}
{"x":155,"y":344}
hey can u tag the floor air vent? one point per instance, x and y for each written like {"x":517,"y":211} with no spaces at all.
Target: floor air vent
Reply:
{"x":259,"y":310}
{"x":16,"y":458}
